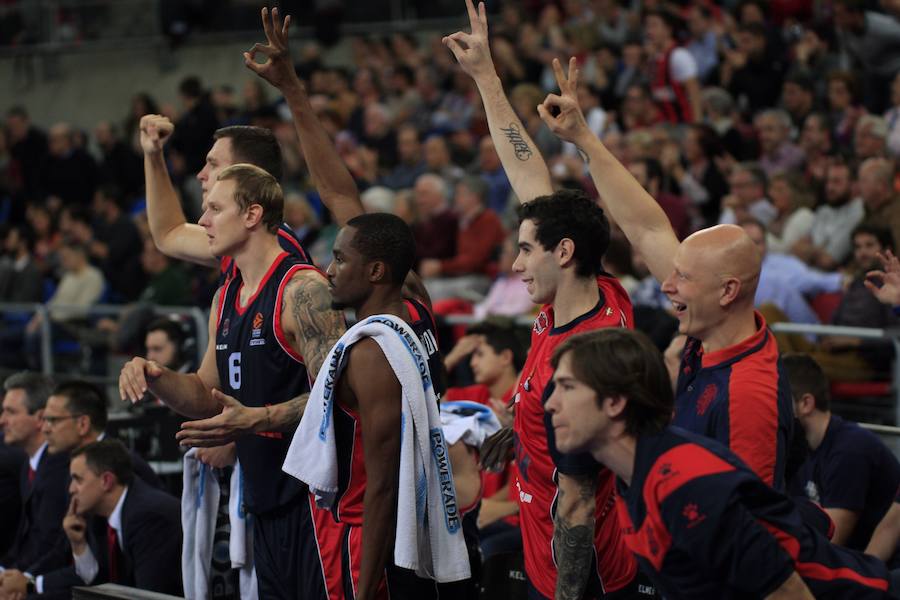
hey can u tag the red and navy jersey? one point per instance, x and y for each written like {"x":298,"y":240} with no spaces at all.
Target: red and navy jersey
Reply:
{"x":288,"y":241}
{"x":853,"y":470}
{"x":537,"y":459}
{"x":739,"y":396}
{"x":257,"y":366}
{"x":703,"y":526}
{"x":348,"y":507}
{"x":671,"y":96}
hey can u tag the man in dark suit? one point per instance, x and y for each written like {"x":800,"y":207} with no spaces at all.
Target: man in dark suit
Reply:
{"x":39,"y":541}
{"x":141,"y":544}
{"x":11,"y":464}
{"x":76,"y":416}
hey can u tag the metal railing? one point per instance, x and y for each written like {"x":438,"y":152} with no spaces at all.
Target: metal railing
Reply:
{"x":197,"y":315}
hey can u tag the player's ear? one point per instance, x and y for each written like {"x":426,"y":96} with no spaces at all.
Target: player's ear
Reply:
{"x":378,"y":271}
{"x":565,"y":251}
{"x":614,"y":406}
{"x":254,"y":215}
{"x":731,"y":289}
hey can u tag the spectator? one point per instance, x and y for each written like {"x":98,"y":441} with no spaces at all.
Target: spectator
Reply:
{"x":478,"y":239}
{"x":674,"y":83}
{"x":20,"y":278}
{"x":746,"y":198}
{"x":870,"y":137}
{"x":798,"y":95}
{"x":167,"y":344}
{"x":437,"y":159}
{"x":718,"y":106}
{"x":508,"y":294}
{"x":195,"y":127}
{"x":700,"y":179}
{"x":168,"y":283}
{"x":794,"y":220}
{"x":876,"y":188}
{"x":828,"y":244}
{"x":892,"y":117}
{"x":777,"y":153}
{"x":142,"y":104}
{"x":69,"y":173}
{"x":850,"y":358}
{"x":850,"y":472}
{"x":47,"y":238}
{"x":815,"y":142}
{"x":409,"y":154}
{"x":638,"y":109}
{"x":436,"y":226}
{"x":120,"y":165}
{"x":872,"y":40}
{"x":752,"y":71}
{"x":28,"y":149}
{"x":490,"y":169}
{"x":704,"y":42}
{"x":116,"y":244}
{"x":786,"y":282}
{"x":843,"y":105}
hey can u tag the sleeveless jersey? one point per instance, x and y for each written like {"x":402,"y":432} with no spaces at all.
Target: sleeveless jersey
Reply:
{"x":258,"y":367}
{"x":537,"y":461}
{"x":348,"y":433}
{"x":670,"y":96}
{"x":288,"y":241}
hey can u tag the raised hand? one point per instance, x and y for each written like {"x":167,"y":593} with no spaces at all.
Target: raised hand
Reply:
{"x":134,"y":377}
{"x":155,"y":132}
{"x":888,"y":292}
{"x":473,"y":50}
{"x":234,"y":421}
{"x":560,"y":111}
{"x":278,"y":69}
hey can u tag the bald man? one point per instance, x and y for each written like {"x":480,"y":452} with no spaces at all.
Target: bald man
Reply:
{"x":729,"y":385}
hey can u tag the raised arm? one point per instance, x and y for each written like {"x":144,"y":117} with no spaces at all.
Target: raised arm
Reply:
{"x":170,"y":231}
{"x":631,"y":207}
{"x":378,"y":393}
{"x":329,"y":174}
{"x":521,"y":159}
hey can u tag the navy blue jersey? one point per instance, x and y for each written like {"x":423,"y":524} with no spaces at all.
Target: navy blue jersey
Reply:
{"x":851,"y":469}
{"x":258,"y":367}
{"x":702,"y":525}
{"x":740,"y":397}
{"x":288,"y":241}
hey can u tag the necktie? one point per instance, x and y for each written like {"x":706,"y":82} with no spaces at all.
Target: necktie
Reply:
{"x":31,"y":474}
{"x":112,"y":545}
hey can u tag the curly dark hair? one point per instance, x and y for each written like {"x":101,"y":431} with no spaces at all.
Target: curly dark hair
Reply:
{"x":570,"y":214}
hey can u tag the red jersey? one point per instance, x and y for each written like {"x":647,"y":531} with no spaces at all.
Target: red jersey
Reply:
{"x":537,"y":460}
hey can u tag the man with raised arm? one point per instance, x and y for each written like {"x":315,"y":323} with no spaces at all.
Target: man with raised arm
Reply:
{"x":562,"y":237}
{"x":271,"y":326}
{"x":729,"y":383}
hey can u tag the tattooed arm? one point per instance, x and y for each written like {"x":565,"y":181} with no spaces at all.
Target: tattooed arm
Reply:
{"x":573,"y":534}
{"x":312,"y":328}
{"x":521,"y":160}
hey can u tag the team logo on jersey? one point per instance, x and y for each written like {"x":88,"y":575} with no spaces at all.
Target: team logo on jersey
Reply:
{"x":693,"y":515}
{"x":706,"y":398}
{"x":541,"y":323}
{"x":225,"y":326}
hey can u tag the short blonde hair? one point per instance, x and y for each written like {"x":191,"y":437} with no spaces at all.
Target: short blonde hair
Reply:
{"x":254,"y":185}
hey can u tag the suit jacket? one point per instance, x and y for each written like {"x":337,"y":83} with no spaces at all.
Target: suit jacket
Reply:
{"x":11,"y":460}
{"x":151,"y":555}
{"x":40,"y":542}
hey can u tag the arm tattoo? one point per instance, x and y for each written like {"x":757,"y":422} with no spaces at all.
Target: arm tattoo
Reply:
{"x":318,"y":325}
{"x":520,"y":146}
{"x":573,"y":546}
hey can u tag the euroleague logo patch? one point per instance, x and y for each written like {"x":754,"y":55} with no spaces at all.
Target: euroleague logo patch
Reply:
{"x":255,"y":339}
{"x":706,"y":398}
{"x":541,"y":323}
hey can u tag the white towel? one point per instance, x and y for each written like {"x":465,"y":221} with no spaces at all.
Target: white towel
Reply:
{"x":468,"y":421}
{"x":199,"y":506}
{"x":429,"y":537}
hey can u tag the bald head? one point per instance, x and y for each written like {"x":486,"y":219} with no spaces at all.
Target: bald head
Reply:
{"x":727,"y":252}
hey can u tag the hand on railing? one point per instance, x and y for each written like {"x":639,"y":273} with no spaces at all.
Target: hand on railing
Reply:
{"x":885,"y":284}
